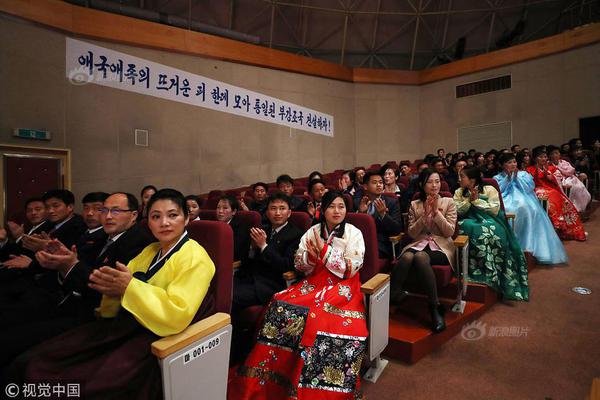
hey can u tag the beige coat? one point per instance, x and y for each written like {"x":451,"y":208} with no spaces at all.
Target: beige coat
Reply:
{"x":442,"y":228}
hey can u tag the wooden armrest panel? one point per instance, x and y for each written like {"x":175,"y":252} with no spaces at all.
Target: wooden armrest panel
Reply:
{"x":289,"y":276}
{"x":461,"y":241}
{"x":397,"y":238}
{"x":510,"y":215}
{"x":370,"y":286}
{"x":236,"y":264}
{"x":168,"y":345}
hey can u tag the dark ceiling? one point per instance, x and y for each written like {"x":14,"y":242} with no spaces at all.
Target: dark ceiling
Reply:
{"x":399,"y":34}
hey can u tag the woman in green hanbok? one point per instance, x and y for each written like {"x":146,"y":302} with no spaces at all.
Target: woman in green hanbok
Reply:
{"x":495,"y":256}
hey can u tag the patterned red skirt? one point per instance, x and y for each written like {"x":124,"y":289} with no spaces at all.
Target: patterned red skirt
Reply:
{"x":310,"y":344}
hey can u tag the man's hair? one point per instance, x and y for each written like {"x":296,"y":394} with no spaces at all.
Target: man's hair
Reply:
{"x":146,"y":188}
{"x":193,"y":197}
{"x":435,"y":160}
{"x":95,"y":197}
{"x":66,"y":196}
{"x":284,"y":179}
{"x":404,"y":163}
{"x":313,"y":183}
{"x":33,"y":200}
{"x":233,"y":202}
{"x":257,"y":184}
{"x":132,"y":201}
{"x":369,"y":174}
{"x":279,"y":196}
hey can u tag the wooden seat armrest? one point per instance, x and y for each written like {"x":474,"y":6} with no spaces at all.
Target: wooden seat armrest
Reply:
{"x":168,"y":345}
{"x":289,"y":276}
{"x":396,"y":238}
{"x":510,"y":215}
{"x":236,"y":264}
{"x":371,"y":286}
{"x":461,"y":241}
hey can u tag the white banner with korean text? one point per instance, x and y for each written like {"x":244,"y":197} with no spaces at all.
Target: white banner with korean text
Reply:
{"x":88,"y":63}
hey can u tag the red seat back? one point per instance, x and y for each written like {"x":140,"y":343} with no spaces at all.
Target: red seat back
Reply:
{"x":403,"y":180}
{"x":215,"y":193}
{"x":217,"y":240}
{"x":210,"y":203}
{"x":300,"y":190}
{"x":444,"y":187}
{"x":252,"y":219}
{"x":350,"y":202}
{"x":371,"y":263}
{"x":301,"y":219}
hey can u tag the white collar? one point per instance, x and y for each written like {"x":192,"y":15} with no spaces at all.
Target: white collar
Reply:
{"x":95,"y":229}
{"x":118,"y":235}
{"x":58,"y":226}
{"x":281,"y":227}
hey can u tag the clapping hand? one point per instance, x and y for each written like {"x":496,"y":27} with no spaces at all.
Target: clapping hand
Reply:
{"x":314,"y":248}
{"x":111,"y":281}
{"x":15,"y":229}
{"x":474,"y":194}
{"x":258,"y":236}
{"x":243,"y":205}
{"x":431,"y":204}
{"x":36,"y":242}
{"x":310,"y":208}
{"x":17,"y":262}
{"x":380,"y":207}
{"x":364,"y":204}
{"x":57,"y":256}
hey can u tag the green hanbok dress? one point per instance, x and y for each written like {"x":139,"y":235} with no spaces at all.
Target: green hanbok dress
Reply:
{"x":495,"y":256}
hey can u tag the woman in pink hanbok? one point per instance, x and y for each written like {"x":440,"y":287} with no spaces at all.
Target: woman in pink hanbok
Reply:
{"x":569,"y":181}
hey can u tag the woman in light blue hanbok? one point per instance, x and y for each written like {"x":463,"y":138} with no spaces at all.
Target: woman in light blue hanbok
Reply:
{"x":533,"y":227}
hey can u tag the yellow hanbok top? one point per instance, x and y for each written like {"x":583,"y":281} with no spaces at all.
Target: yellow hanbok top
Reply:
{"x":167,"y":303}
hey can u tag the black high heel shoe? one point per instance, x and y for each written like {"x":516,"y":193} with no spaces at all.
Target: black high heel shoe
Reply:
{"x":437,"y":317}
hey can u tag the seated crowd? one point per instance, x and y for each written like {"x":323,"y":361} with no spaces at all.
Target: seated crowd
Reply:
{"x":83,"y":296}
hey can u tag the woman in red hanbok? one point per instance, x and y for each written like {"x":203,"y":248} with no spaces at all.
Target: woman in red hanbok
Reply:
{"x":312,"y":339}
{"x":562,"y":212}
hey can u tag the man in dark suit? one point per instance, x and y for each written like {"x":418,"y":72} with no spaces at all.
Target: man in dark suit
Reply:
{"x":92,"y":240}
{"x":385,"y":210}
{"x":67,"y":228}
{"x":272,"y":254}
{"x":125,"y":239}
{"x":285,"y":184}
{"x":35,"y":214}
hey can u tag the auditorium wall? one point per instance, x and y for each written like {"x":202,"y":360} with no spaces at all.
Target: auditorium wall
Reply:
{"x":195,"y":149}
{"x":546,"y":100}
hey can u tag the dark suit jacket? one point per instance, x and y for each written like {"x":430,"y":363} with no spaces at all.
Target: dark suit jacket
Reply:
{"x":266,"y":268}
{"x":389,"y":225}
{"x":241,"y":239}
{"x":80,"y":299}
{"x":90,"y":244}
{"x":70,"y":232}
{"x":16,"y":248}
{"x":298,"y":203}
